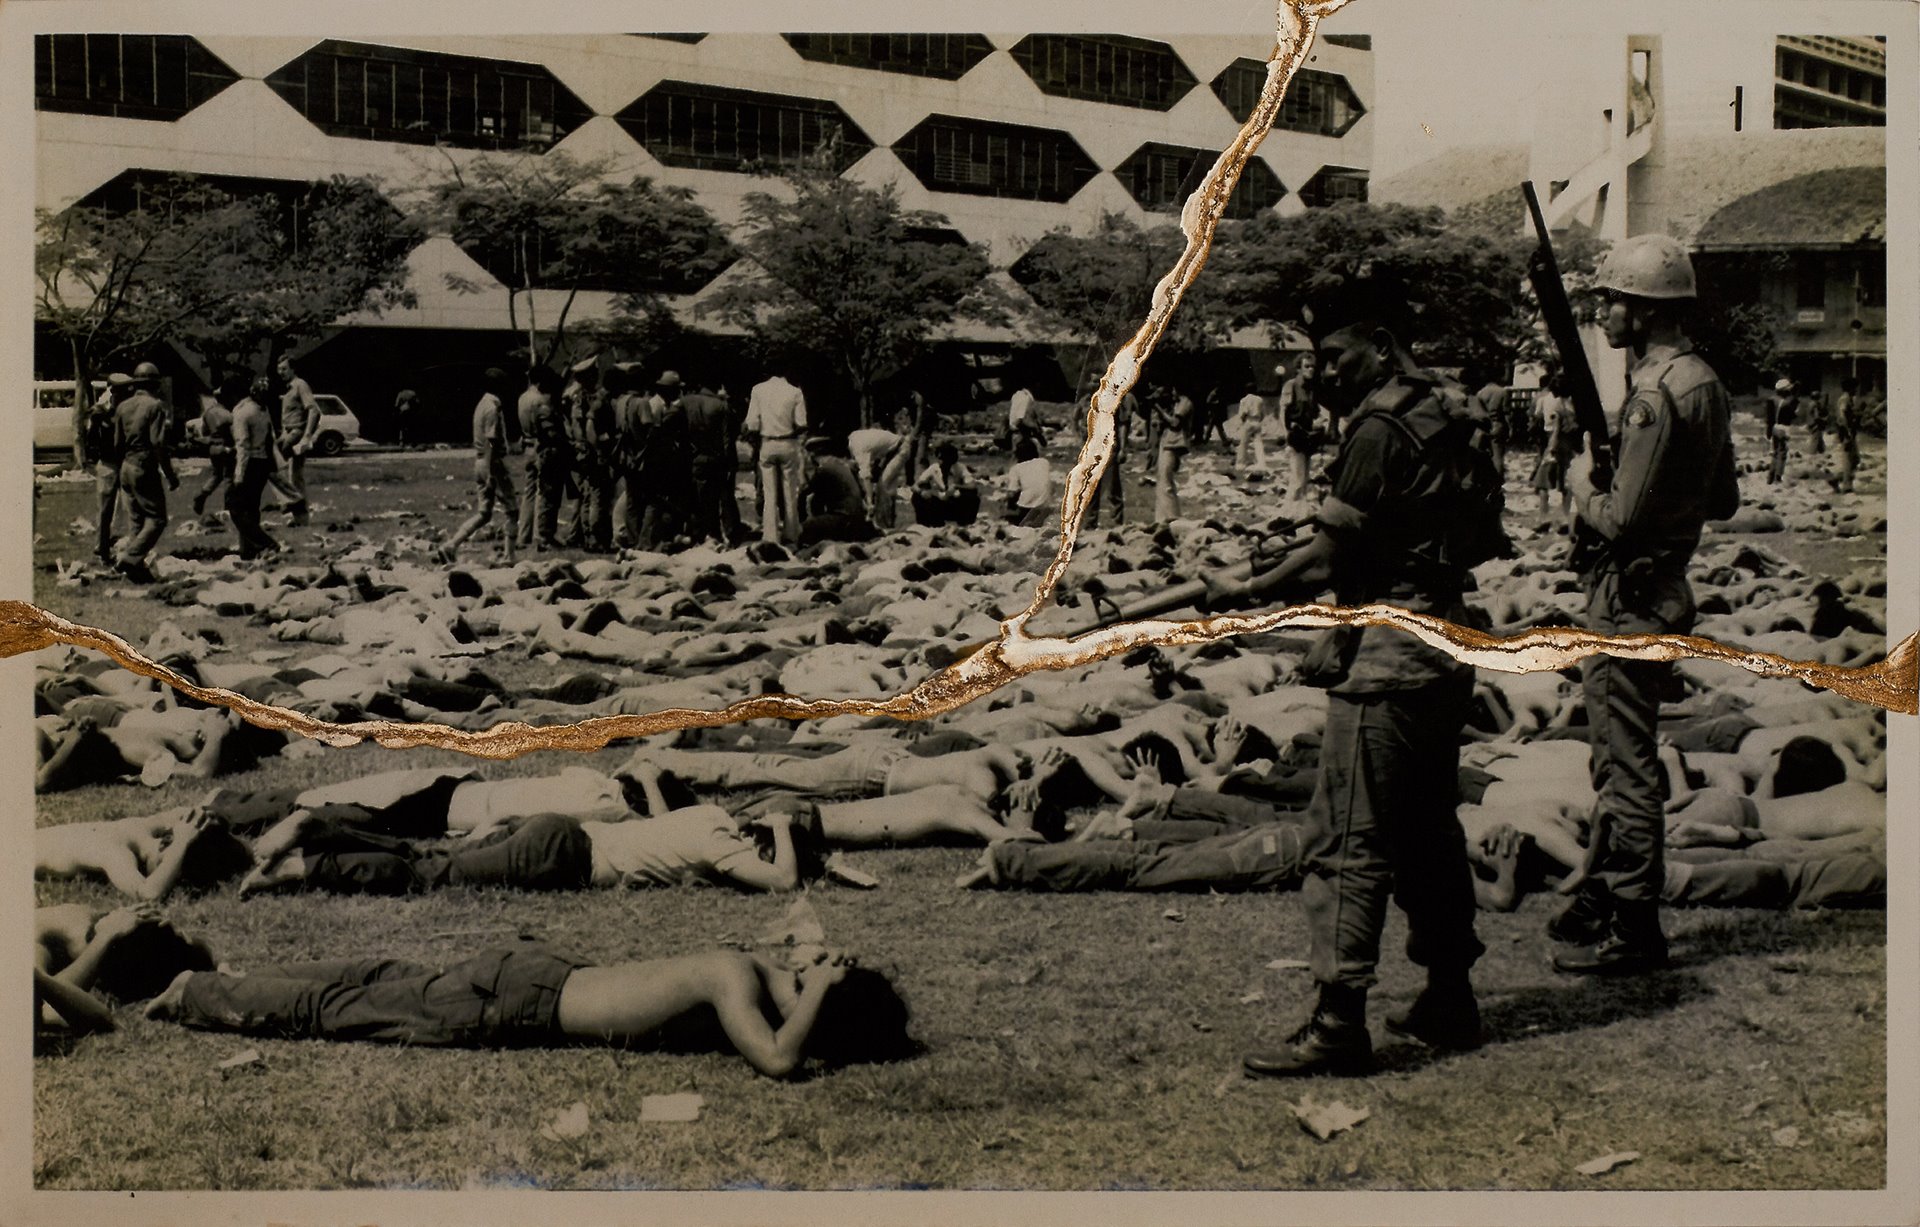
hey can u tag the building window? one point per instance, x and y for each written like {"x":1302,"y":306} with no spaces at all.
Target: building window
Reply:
{"x":673,"y":38}
{"x":1110,"y":68}
{"x":1872,"y":286}
{"x":982,"y":158}
{"x":1356,"y":42}
{"x":130,"y":76}
{"x":1333,"y":185}
{"x":1161,"y":177}
{"x":428,"y":97}
{"x":1810,"y":283}
{"x":946,"y":56}
{"x":707,"y":127}
{"x":140,"y":190}
{"x":1320,"y":103}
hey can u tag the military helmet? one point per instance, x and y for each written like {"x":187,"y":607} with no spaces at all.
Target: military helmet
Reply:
{"x":1648,"y":266}
{"x":146,"y":370}
{"x":1784,"y":386}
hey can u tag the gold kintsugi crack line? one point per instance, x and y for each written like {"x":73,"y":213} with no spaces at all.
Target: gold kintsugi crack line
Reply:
{"x":1893,"y":683}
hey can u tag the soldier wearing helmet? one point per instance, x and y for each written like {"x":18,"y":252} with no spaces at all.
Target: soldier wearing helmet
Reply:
{"x":1674,"y":471}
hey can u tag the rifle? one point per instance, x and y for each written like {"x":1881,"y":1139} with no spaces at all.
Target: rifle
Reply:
{"x":1543,"y":270}
{"x":1235,"y":587}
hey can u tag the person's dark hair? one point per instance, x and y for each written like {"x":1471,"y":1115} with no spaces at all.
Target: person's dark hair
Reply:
{"x":217,"y":856}
{"x":148,"y":959}
{"x":1848,"y":385}
{"x":232,"y":390}
{"x":1807,"y":764}
{"x":862,"y":1020}
{"x":1162,"y":752}
{"x":947,"y":454}
{"x":1024,"y":449}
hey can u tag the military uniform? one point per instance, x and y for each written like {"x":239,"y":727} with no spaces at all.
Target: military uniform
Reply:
{"x":1382,"y":819}
{"x":140,"y":428}
{"x":99,"y":451}
{"x":1674,"y":472}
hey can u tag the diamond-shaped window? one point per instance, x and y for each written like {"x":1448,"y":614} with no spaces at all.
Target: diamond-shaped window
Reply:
{"x":1161,"y":177}
{"x":1134,"y":72}
{"x":378,"y":93}
{"x":129,"y":76}
{"x":1332,"y":185}
{"x":979,"y":157}
{"x":295,"y":200}
{"x":946,"y":56}
{"x":1321,"y":103}
{"x":672,"y":38}
{"x":708,"y":127}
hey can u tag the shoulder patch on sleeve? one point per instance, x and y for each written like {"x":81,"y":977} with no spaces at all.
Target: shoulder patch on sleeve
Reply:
{"x":1639,"y":414}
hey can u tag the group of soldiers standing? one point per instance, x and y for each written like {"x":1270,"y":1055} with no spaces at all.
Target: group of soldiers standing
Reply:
{"x":610,"y":462}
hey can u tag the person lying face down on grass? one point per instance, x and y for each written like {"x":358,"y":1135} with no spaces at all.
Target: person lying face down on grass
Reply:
{"x":1825,"y":849}
{"x":525,"y":996}
{"x":153,"y":746}
{"x":128,"y":954}
{"x":145,"y":857}
{"x":321,"y":851}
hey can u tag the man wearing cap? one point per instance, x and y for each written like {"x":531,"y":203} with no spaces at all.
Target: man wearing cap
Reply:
{"x":1782,"y":411}
{"x":715,"y":514}
{"x":1413,"y":507}
{"x":299,"y":427}
{"x":492,"y":479}
{"x":97,"y":451}
{"x":777,"y":413}
{"x":140,"y":430}
{"x":1674,"y":471}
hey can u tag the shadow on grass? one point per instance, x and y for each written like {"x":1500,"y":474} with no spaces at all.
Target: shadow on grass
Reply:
{"x":1563,"y":1006}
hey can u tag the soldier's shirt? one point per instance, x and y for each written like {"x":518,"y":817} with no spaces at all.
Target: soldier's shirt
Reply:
{"x":1377,"y":467}
{"x":139,"y":424}
{"x":1673,"y":461}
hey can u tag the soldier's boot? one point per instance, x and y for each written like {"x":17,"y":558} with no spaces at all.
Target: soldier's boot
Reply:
{"x":1633,"y":945}
{"x":1333,"y":1041}
{"x":1444,"y":1016}
{"x":1585,"y":917}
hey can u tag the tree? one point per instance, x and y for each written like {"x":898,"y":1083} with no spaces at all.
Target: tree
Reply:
{"x":556,"y":222}
{"x":840,"y":269}
{"x":219,"y":273}
{"x":1098,"y":287}
{"x":338,"y":249}
{"x":1469,"y":303}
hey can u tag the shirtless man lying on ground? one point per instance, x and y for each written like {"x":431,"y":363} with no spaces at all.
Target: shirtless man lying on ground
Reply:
{"x":153,"y":745}
{"x":774,"y":1016}
{"x":128,"y":954}
{"x":147,"y":858}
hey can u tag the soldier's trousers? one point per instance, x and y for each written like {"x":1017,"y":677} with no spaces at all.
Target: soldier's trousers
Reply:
{"x":716,"y":510}
{"x":550,"y":470}
{"x":1382,"y":824}
{"x":106,"y":488}
{"x":146,"y":495}
{"x":1623,"y":730}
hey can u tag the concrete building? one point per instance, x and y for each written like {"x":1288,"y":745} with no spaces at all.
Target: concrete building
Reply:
{"x":1007,"y":136}
{"x":1713,"y":142}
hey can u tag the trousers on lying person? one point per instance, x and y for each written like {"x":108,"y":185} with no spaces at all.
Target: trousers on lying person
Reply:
{"x":545,"y":852}
{"x":1264,"y":857}
{"x":501,"y":998}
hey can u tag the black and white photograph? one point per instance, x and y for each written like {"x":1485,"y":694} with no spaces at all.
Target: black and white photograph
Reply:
{"x":396,"y":370}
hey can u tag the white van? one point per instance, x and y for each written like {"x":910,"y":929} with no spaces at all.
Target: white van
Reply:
{"x":53,"y":414}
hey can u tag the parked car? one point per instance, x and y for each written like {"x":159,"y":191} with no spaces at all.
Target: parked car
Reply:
{"x":53,"y":414}
{"x":339,"y":428}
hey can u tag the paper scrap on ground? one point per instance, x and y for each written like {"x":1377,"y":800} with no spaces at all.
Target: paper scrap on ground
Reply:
{"x":1287,"y":965}
{"x":1606,"y":1163}
{"x":1323,"y":1120}
{"x":568,"y":1123}
{"x":245,"y":1057}
{"x":684,"y":1106}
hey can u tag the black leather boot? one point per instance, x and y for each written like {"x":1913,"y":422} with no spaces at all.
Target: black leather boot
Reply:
{"x":1633,"y":945}
{"x":1333,"y":1041}
{"x":1444,"y":1016}
{"x":1585,"y":918}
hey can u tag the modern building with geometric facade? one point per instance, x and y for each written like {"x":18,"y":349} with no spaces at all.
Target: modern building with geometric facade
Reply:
{"x":1008,"y":136}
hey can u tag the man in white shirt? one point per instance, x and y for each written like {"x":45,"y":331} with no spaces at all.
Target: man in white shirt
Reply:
{"x":880,"y":462}
{"x":777,"y":412}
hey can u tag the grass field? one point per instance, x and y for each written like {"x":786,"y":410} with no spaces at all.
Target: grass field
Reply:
{"x":1071,"y":1042}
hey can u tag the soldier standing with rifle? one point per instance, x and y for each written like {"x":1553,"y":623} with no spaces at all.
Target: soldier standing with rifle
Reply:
{"x":1413,"y":507}
{"x":1638,"y":522}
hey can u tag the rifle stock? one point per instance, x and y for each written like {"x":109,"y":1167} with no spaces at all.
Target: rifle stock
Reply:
{"x":1233,"y":588}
